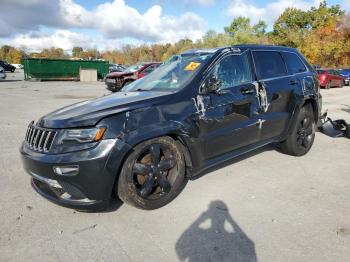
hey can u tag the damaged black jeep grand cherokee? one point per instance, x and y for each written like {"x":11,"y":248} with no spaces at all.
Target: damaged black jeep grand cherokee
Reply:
{"x":198,"y":109}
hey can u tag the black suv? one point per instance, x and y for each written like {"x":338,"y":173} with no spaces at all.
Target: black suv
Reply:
{"x":198,"y":109}
{"x":7,"y":66}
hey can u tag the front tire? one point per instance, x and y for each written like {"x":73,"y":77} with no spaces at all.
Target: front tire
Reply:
{"x":153,"y":174}
{"x":302,"y":136}
{"x":328,"y":86}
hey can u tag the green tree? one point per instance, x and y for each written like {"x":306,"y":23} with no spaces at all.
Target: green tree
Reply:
{"x":259,"y":28}
{"x":77,"y":51}
{"x":239,"y":24}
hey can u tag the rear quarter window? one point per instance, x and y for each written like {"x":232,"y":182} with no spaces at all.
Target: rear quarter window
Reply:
{"x":293,"y":62}
{"x":269,"y":64}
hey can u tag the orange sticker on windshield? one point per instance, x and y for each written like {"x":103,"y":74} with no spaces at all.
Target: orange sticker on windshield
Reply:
{"x":192,"y":66}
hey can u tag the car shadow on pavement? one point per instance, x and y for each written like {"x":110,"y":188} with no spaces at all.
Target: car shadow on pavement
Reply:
{"x":215,"y":236}
{"x":10,"y":80}
{"x":346,"y":109}
{"x":113,"y":206}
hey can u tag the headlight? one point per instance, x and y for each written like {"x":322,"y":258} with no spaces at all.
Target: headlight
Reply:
{"x":83,"y":135}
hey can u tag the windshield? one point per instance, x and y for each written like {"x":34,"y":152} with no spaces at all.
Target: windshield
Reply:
{"x":133,"y":68}
{"x":171,"y":75}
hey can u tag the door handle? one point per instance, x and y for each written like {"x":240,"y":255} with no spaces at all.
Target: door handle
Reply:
{"x":293,"y":82}
{"x":246,"y":90}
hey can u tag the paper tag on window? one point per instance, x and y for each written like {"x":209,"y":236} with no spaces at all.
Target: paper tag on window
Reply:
{"x":192,"y":66}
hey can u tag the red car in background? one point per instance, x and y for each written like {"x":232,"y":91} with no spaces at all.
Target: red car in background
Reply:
{"x":117,"y":80}
{"x":330,"y":78}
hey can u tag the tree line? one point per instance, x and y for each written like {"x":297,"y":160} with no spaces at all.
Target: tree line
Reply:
{"x":321,"y":33}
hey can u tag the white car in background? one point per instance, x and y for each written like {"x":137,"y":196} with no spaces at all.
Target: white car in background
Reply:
{"x":2,"y":73}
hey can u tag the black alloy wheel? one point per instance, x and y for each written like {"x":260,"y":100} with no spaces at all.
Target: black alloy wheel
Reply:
{"x":302,"y":134}
{"x":305,"y":132}
{"x":152,"y":171}
{"x":153,"y":174}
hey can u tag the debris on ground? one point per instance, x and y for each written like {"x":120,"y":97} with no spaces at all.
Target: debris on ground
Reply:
{"x":343,"y":231}
{"x":85,"y":229}
{"x":334,"y":128}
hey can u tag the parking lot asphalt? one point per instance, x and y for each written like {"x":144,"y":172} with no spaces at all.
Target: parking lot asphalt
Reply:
{"x":264,"y":206}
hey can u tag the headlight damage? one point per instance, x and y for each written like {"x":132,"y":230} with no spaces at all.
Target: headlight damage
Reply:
{"x":82,"y":135}
{"x":56,"y":141}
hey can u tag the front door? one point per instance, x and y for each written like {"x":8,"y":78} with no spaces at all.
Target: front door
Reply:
{"x":229,"y":118}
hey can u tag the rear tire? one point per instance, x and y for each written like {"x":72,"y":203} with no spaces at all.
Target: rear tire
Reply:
{"x":153,"y":174}
{"x":302,"y":136}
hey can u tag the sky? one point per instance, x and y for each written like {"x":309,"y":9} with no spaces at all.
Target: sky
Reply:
{"x":110,"y":24}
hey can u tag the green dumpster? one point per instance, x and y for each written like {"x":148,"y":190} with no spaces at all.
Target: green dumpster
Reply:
{"x":61,"y":69}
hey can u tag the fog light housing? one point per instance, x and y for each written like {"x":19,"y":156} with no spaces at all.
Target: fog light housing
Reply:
{"x":66,"y":170}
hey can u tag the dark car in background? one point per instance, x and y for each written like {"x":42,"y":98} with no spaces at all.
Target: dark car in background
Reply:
{"x":2,"y":73}
{"x":7,"y":66}
{"x":116,"y":68}
{"x":330,"y":78}
{"x":117,"y":80}
{"x":345,"y":73}
{"x":200,"y":109}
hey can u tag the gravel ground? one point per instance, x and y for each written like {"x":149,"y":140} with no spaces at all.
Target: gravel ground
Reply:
{"x":264,"y":206}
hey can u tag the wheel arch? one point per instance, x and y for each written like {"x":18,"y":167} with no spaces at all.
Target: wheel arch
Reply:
{"x":310,"y":101}
{"x":177,"y":136}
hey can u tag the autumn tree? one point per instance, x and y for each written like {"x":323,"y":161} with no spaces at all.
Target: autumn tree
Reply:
{"x":11,"y":54}
{"x":293,"y":25}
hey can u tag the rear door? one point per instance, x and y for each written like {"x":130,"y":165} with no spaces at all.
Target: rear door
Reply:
{"x":273,"y":77}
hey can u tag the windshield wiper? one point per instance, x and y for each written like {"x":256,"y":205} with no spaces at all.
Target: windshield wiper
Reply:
{"x":141,"y":89}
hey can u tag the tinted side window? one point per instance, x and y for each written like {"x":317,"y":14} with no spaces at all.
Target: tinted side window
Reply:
{"x":294,"y":64}
{"x":269,"y":64}
{"x":233,"y":70}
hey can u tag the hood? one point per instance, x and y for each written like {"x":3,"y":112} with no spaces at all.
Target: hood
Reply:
{"x":118,"y":74}
{"x":88,"y":113}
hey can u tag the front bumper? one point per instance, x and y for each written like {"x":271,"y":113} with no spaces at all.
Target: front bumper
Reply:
{"x":89,"y":188}
{"x":113,"y":85}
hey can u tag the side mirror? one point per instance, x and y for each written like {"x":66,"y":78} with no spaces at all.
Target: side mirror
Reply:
{"x":211,"y":85}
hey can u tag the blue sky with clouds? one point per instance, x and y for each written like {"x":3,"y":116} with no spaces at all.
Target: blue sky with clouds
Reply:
{"x":103,"y":24}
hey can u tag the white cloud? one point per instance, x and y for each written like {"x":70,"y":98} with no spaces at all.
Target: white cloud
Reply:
{"x":111,"y":19}
{"x":201,"y":2}
{"x":64,"y":39}
{"x":346,"y":5}
{"x":20,"y":16}
{"x":117,"y":19}
{"x":270,"y":12}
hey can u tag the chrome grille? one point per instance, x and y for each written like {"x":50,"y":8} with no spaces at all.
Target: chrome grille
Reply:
{"x":39,"y":139}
